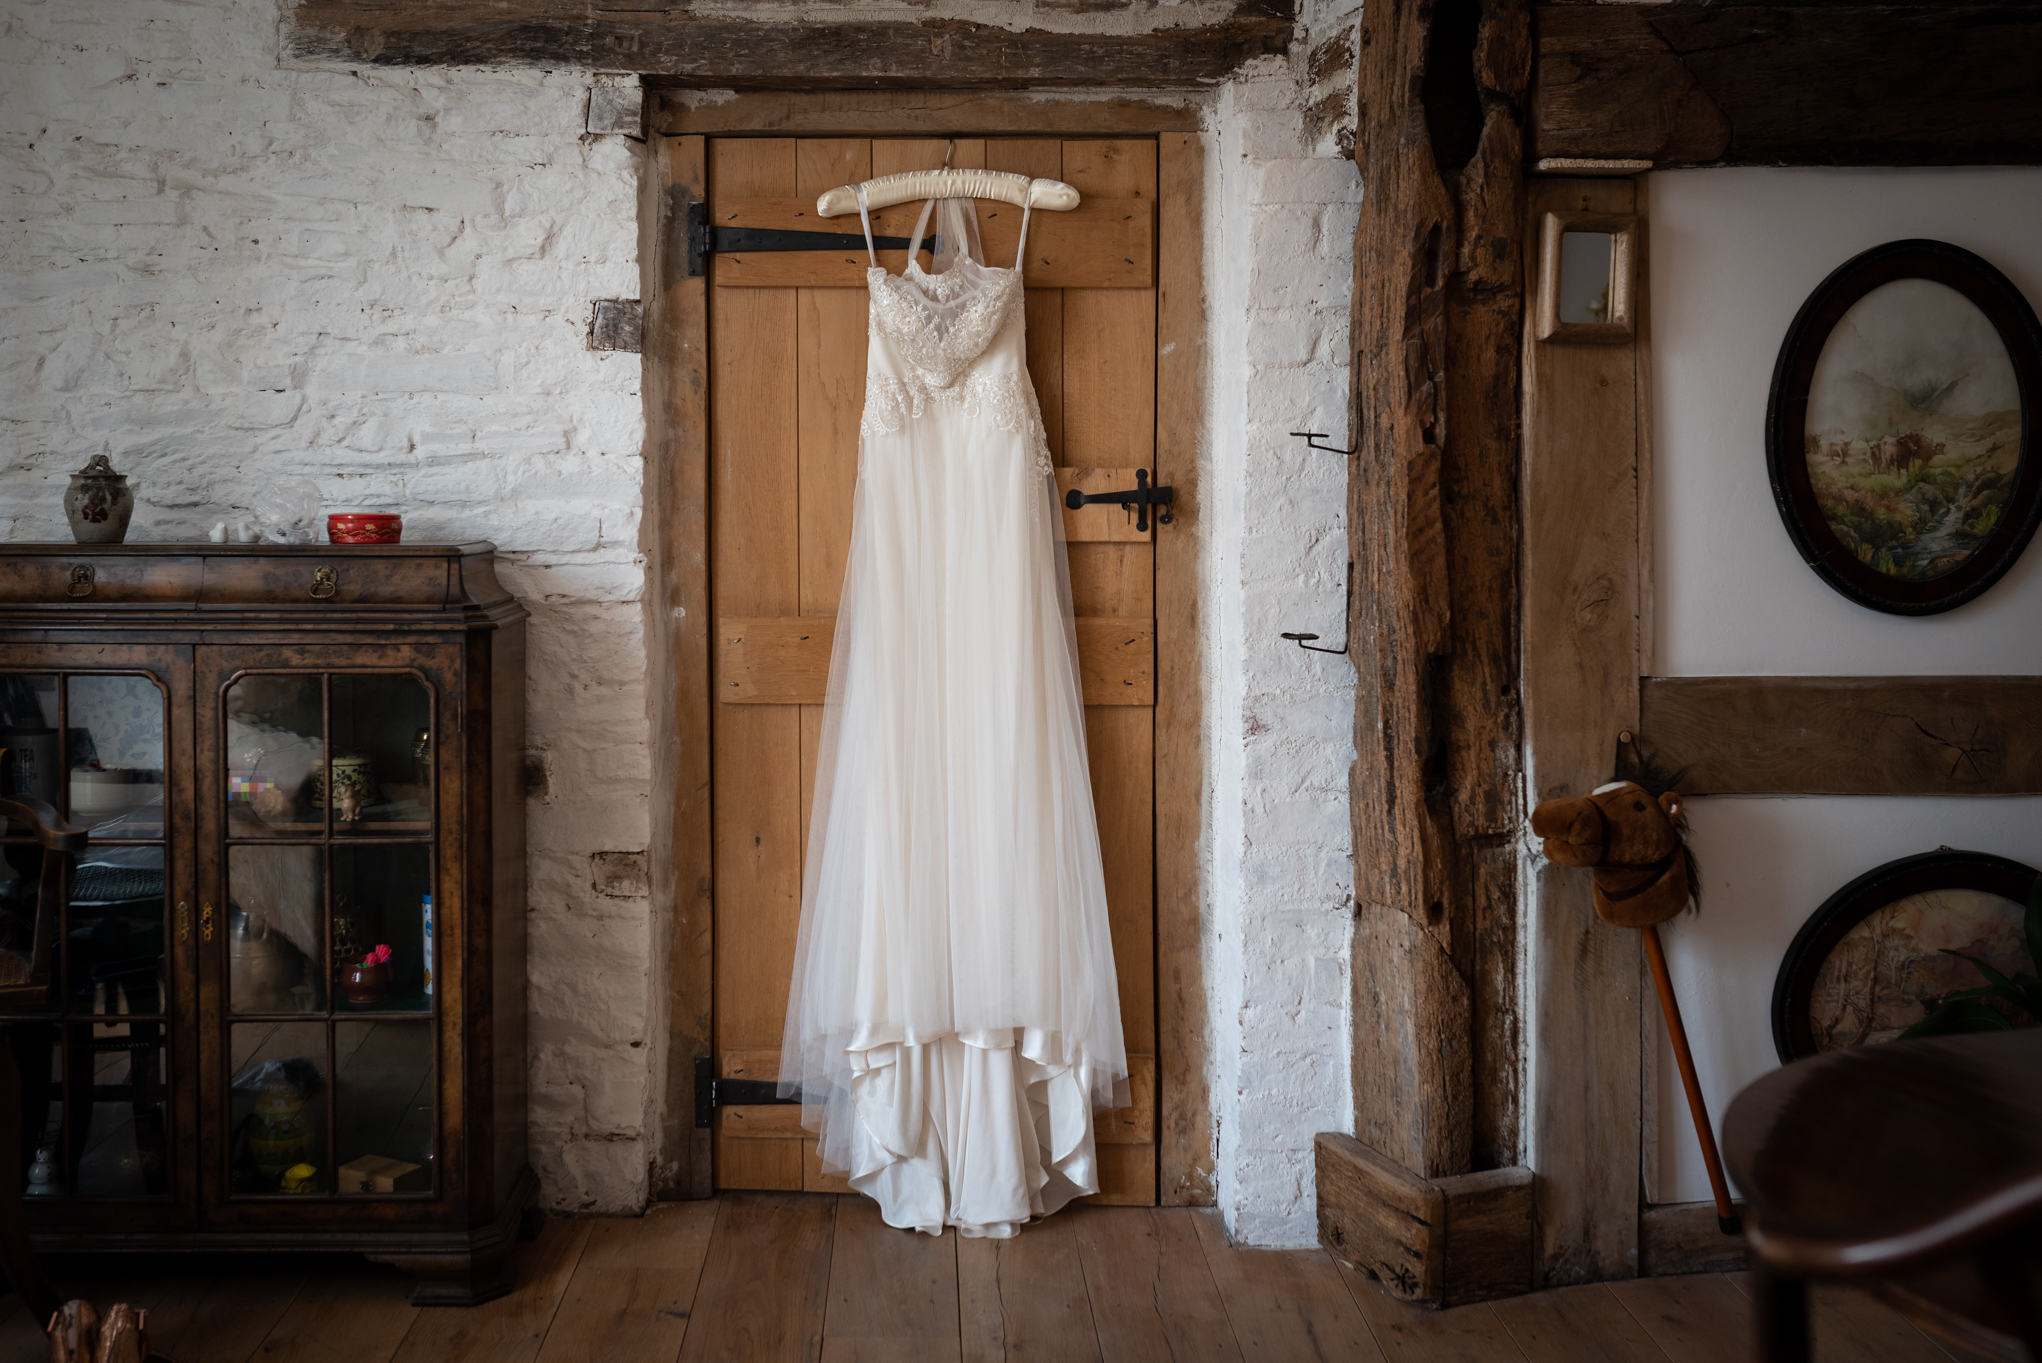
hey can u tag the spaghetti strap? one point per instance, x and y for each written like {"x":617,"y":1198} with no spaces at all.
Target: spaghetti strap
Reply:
{"x":865,"y":217}
{"x":1027,"y":203}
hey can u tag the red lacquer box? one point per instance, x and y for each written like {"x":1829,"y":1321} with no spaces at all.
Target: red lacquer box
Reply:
{"x":365,"y":527}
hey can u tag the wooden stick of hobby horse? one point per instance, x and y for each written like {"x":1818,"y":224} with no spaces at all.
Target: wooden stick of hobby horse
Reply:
{"x":1726,"y":1215}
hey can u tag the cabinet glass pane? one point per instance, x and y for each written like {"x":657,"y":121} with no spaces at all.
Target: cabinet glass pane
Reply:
{"x":39,"y":1056}
{"x":278,"y":1107}
{"x":383,"y":1112}
{"x":28,"y":733}
{"x":379,"y":900}
{"x":118,"y":1135}
{"x":276,"y":928}
{"x":382,"y":754}
{"x":275,"y":756}
{"x":116,"y":755}
{"x":114,"y":935}
{"x":21,"y":874}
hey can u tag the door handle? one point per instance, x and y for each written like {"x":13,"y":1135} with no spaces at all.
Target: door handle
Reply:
{"x":183,"y":921}
{"x":206,"y":923}
{"x":1138,"y":499}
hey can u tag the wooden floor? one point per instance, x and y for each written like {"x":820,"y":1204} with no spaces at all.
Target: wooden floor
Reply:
{"x":768,"y":1276}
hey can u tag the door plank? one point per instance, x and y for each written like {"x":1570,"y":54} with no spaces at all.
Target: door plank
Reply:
{"x":785,"y":660}
{"x":1042,"y":157}
{"x":1285,"y":1305}
{"x":634,"y":1286}
{"x":510,"y":1329}
{"x":1153,"y":1296}
{"x":755,"y":557}
{"x":1024,"y":1300}
{"x":767,"y":1281}
{"x":893,"y":1293}
{"x":1106,"y":242}
{"x":1134,"y":1124}
{"x":1693,"y":1318}
{"x":345,"y":1313}
{"x":1584,"y":1324}
{"x":1410,"y":1333}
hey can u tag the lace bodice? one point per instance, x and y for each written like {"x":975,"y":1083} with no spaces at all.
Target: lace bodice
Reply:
{"x":939,"y":339}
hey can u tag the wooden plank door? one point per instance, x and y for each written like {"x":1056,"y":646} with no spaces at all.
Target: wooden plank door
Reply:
{"x":787,"y":343}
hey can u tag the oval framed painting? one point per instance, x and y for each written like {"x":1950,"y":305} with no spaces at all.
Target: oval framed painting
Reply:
{"x":1868,"y":964}
{"x":1901,"y":434}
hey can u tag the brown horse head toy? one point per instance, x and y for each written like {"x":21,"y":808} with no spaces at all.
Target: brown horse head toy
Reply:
{"x":1644,"y":873}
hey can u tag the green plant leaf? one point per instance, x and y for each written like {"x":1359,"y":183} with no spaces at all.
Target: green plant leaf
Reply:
{"x":1954,"y":1019}
{"x":1999,"y":980}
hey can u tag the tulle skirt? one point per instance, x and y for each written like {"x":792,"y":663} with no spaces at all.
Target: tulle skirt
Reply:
{"x":954,"y":1018}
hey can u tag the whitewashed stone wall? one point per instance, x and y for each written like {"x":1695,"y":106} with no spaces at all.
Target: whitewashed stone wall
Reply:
{"x":219,"y":272}
{"x":1280,"y":720}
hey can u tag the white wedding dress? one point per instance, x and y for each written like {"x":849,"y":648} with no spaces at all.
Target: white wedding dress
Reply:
{"x":954,"y":1018}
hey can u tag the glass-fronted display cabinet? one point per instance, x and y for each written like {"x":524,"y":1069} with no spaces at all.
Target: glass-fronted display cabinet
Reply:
{"x":287,"y":998}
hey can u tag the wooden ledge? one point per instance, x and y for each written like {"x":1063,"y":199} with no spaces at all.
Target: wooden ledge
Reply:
{"x":1442,"y":1241}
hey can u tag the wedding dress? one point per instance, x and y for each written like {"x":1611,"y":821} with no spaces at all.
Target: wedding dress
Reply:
{"x":954,"y":1018}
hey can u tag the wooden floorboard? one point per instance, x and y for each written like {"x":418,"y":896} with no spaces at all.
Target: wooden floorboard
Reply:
{"x":1023,"y":1300}
{"x":1693,"y":1318}
{"x":1415,"y":1334}
{"x":510,"y":1329}
{"x":762,"y":1277}
{"x":1584,"y":1324}
{"x":1851,"y":1325}
{"x":763,"y":1293}
{"x":893,"y":1293}
{"x":1152,"y":1293}
{"x":632,"y":1292}
{"x":1286,"y":1306}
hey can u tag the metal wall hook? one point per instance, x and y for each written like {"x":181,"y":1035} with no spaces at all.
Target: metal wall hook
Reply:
{"x":1312,"y":439}
{"x":1303,"y":641}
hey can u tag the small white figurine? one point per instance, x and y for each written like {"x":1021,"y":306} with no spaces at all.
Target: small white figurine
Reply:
{"x":218,"y":534}
{"x":42,"y":1175}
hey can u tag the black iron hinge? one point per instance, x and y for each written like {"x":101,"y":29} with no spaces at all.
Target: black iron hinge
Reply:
{"x":712,"y":1093}
{"x":705,"y":240}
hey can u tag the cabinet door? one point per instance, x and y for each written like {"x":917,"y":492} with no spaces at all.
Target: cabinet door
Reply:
{"x":103,"y":734}
{"x":329,"y":824}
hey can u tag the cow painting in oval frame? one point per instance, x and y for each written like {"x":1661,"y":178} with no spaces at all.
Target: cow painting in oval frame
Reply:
{"x":1901,"y":433}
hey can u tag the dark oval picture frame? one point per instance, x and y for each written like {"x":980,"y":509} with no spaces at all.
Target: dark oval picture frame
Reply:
{"x":1943,"y":869}
{"x":1859,"y":473}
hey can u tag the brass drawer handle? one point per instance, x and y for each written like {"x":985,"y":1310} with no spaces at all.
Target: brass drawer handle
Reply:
{"x":183,"y":921}
{"x":82,"y":575}
{"x":206,"y":923}
{"x":324,"y":580}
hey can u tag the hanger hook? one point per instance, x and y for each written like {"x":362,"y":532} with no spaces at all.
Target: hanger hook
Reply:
{"x":948,"y":151}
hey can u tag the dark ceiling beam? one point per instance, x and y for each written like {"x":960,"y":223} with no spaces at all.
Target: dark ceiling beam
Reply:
{"x":720,"y":52}
{"x":1806,"y":85}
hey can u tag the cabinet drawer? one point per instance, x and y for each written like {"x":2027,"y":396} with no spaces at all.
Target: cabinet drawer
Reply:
{"x":337,"y":579}
{"x":86,"y":579}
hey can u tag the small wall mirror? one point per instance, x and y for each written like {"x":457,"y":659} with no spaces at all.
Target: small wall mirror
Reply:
{"x":1586,"y":268}
{"x":1586,"y":261}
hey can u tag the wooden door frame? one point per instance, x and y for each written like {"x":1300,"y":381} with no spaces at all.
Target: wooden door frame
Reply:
{"x":676,"y":389}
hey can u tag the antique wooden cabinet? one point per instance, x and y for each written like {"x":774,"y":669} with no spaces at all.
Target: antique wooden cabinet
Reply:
{"x":288,"y":1009}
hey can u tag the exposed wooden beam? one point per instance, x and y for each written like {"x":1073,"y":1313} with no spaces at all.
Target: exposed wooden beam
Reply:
{"x":723,"y":52}
{"x":1689,"y":84}
{"x":1847,"y":735}
{"x":1432,"y":516}
{"x":923,"y":113}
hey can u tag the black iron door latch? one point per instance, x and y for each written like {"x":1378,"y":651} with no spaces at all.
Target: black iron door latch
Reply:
{"x":1137,"y":499}
{"x":706,"y":239}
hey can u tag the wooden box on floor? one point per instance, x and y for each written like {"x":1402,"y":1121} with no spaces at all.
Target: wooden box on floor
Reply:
{"x":288,"y":757}
{"x":1443,"y":1241}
